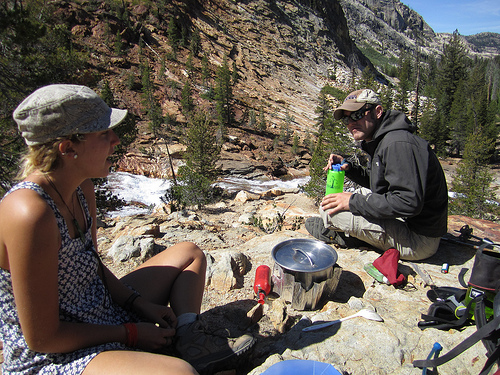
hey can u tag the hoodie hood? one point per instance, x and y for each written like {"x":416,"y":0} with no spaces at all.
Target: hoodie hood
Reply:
{"x":391,"y":121}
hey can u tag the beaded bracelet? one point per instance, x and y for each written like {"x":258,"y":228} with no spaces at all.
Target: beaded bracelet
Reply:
{"x":131,"y":334}
{"x":128,"y":305}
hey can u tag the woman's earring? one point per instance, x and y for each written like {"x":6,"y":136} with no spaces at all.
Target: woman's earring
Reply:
{"x":63,"y":153}
{"x":75,"y":156}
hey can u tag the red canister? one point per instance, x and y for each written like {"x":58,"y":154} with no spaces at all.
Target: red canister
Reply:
{"x":262,"y":283}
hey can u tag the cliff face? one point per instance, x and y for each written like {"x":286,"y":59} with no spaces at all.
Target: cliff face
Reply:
{"x":283,"y":50}
{"x":284,"y":53}
{"x":389,"y":27}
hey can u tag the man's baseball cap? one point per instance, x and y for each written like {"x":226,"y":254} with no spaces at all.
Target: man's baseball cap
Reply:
{"x":61,"y":110}
{"x":356,"y":100}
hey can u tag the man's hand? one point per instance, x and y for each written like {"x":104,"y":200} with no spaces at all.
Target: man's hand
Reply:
{"x":336,"y":159}
{"x":334,"y":203}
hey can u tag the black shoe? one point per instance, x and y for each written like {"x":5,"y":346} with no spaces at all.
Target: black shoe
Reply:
{"x":316,"y":228}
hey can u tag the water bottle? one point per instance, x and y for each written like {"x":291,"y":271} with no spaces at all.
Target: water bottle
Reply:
{"x":262,"y":283}
{"x":375,"y":273}
{"x":335,"y":180}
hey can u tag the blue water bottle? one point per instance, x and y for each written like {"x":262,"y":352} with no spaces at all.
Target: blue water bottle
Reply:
{"x":335,"y":180}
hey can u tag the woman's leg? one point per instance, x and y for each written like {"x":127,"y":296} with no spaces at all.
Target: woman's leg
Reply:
{"x":176,"y":275}
{"x":131,"y":362}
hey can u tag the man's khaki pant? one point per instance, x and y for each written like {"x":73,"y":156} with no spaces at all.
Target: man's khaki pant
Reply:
{"x":383,"y":234}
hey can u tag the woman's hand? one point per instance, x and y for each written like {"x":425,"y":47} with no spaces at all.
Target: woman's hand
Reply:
{"x":162,"y":315}
{"x":150,"y":337}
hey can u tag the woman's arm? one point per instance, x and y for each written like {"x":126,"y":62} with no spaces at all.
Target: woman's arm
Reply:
{"x":32,"y":239}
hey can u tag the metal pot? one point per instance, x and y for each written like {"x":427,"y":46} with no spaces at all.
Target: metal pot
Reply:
{"x":309,"y":261}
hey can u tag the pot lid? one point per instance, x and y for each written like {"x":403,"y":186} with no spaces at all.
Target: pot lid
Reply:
{"x":304,"y":255}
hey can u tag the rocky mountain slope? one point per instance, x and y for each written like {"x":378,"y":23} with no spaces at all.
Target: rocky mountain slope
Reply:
{"x":389,"y":27}
{"x":284,"y":53}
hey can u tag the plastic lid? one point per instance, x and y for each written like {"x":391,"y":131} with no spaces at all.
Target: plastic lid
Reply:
{"x":336,"y":167}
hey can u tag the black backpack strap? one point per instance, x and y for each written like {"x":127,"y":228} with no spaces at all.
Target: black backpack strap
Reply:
{"x":484,"y":331}
{"x":461,"y":277}
{"x":432,"y":321}
{"x":494,"y":357}
{"x":480,"y":318}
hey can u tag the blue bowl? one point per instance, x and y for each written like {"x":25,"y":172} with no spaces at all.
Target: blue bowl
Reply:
{"x":301,"y":367}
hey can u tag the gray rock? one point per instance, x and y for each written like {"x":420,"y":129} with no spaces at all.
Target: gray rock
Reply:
{"x":126,"y":247}
{"x":356,"y":346}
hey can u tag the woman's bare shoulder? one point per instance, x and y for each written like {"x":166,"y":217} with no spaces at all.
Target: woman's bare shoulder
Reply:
{"x":25,"y":211}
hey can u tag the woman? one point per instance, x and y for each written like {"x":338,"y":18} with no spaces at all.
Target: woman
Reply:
{"x":63,"y":311}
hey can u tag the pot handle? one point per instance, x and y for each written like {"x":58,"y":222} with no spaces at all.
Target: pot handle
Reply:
{"x":306,"y":255}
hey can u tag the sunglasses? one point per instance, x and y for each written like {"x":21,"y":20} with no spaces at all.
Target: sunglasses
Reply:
{"x":356,"y":116}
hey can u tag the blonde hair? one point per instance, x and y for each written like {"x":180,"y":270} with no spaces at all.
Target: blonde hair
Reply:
{"x":44,"y":158}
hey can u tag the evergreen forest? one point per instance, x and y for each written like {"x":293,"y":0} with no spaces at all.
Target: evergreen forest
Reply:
{"x":453,"y":99}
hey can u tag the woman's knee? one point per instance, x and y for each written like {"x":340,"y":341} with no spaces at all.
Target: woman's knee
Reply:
{"x":119,"y":362}
{"x":192,"y":251}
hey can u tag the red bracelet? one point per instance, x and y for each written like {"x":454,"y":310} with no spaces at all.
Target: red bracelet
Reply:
{"x":131,"y":334}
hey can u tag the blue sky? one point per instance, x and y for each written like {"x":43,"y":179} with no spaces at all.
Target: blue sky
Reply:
{"x":469,"y":17}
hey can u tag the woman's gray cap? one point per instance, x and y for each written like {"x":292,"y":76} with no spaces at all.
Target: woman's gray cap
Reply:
{"x":60,"y":110}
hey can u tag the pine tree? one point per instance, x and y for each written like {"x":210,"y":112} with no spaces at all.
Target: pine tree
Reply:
{"x":173,"y":34}
{"x":430,"y":129}
{"x":386,"y":96}
{"x":470,"y":109}
{"x":316,"y":185}
{"x":429,"y":74}
{"x":118,"y":44}
{"x":234,"y":74}
{"x":460,"y":122}
{"x":287,"y":127}
{"x":223,"y":97}
{"x":195,"y":43}
{"x":262,"y":125}
{"x":474,"y":196}
{"x":107,"y":94}
{"x":295,"y":144}
{"x":252,"y":119}
{"x":161,"y":72}
{"x":187,"y":102}
{"x":333,"y":138}
{"x":404,"y":85}
{"x":205,"y":71}
{"x":152,"y":105}
{"x":190,"y":64}
{"x":368,"y":79}
{"x":324,"y":112}
{"x":196,"y":178}
{"x":452,"y":70}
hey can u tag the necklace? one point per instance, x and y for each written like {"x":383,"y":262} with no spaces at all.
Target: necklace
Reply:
{"x":75,"y":222}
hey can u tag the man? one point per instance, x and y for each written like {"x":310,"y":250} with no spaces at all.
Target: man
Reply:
{"x":406,"y":205}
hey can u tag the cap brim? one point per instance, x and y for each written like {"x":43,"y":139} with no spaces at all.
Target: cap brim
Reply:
{"x":351,"y":107}
{"x":117,"y":116}
{"x":110,"y":119}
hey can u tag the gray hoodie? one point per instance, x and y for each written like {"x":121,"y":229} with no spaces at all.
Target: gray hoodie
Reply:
{"x":405,"y":178}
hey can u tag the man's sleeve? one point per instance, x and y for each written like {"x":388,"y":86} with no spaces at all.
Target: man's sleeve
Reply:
{"x":401,"y":176}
